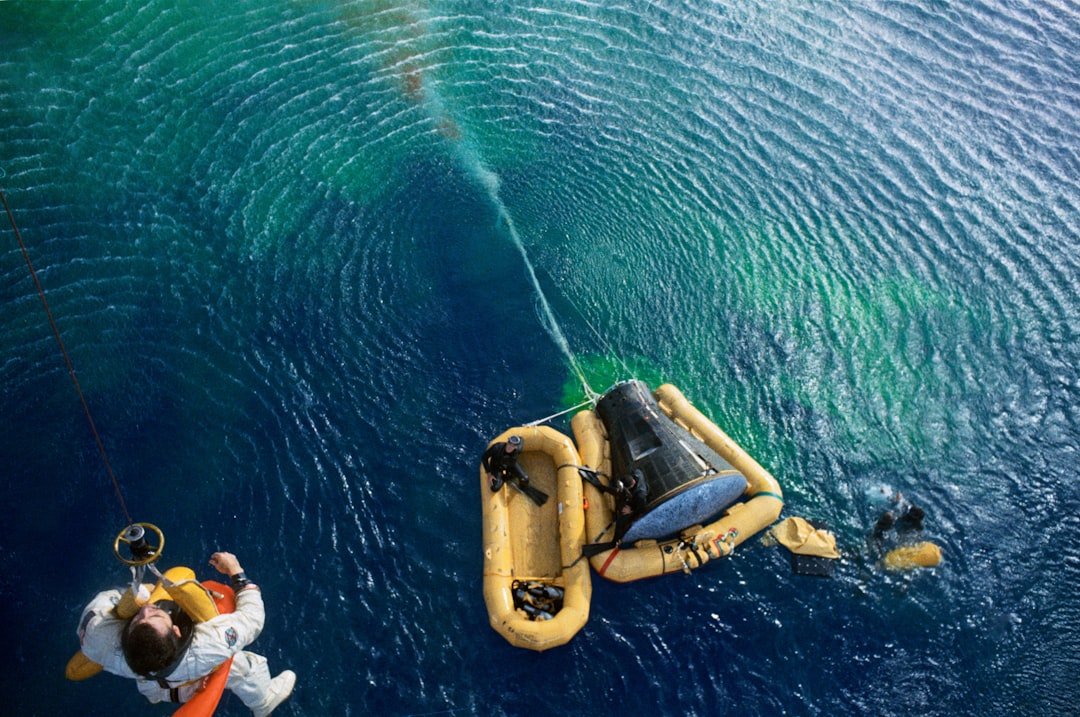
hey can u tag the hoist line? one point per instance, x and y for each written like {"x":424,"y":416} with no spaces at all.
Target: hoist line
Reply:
{"x":583,"y":404}
{"x":67,"y":359}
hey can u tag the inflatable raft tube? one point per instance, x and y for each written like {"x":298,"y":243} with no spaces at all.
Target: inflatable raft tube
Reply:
{"x":910,"y":557}
{"x":536,"y":546}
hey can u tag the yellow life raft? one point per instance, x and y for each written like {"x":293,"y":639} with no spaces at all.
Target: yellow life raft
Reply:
{"x":758,"y":507}
{"x":536,"y":586}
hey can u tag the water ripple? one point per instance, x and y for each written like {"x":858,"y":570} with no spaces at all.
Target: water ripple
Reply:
{"x":282,"y":244}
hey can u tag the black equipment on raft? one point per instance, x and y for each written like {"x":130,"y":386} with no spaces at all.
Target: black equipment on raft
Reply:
{"x":594,"y":477}
{"x":592,"y":549}
{"x":540,"y":601}
{"x":535,"y":494}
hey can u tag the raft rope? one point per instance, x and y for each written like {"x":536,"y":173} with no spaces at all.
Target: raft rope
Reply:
{"x":537,"y":422}
{"x":470,"y":159}
{"x":67,"y":359}
{"x":544,"y":310}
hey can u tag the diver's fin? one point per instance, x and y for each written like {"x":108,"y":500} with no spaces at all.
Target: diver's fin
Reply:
{"x":593,"y":476}
{"x":535,"y":494}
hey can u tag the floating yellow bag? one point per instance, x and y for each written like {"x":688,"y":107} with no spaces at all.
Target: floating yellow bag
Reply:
{"x":801,"y":538}
{"x":909,"y":557}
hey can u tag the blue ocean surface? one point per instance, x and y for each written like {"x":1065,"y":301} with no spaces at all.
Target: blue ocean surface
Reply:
{"x":307,"y":258}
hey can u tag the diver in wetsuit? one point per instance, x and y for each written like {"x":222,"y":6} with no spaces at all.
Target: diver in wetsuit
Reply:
{"x":500,"y":462}
{"x":903,"y":530}
{"x":631,"y":494}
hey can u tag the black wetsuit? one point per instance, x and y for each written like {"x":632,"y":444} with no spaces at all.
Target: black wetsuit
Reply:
{"x":502,"y":465}
{"x":633,"y":497}
{"x":890,"y":530}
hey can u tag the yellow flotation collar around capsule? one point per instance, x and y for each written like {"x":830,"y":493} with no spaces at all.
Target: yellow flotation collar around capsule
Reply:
{"x":760,"y":507}
{"x":178,"y":584}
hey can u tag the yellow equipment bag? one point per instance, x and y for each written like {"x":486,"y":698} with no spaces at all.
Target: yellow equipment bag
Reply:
{"x":909,"y":557}
{"x":801,"y":538}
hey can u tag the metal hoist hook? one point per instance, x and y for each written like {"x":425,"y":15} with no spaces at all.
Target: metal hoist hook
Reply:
{"x":144,"y":542}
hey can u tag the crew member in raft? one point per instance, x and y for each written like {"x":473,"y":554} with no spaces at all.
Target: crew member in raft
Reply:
{"x":500,"y":462}
{"x":631,"y":494}
{"x":168,"y":655}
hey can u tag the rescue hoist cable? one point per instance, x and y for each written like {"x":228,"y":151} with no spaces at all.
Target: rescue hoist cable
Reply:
{"x":67,"y":359}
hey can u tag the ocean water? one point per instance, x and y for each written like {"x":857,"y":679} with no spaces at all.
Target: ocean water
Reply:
{"x":308,"y":257}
